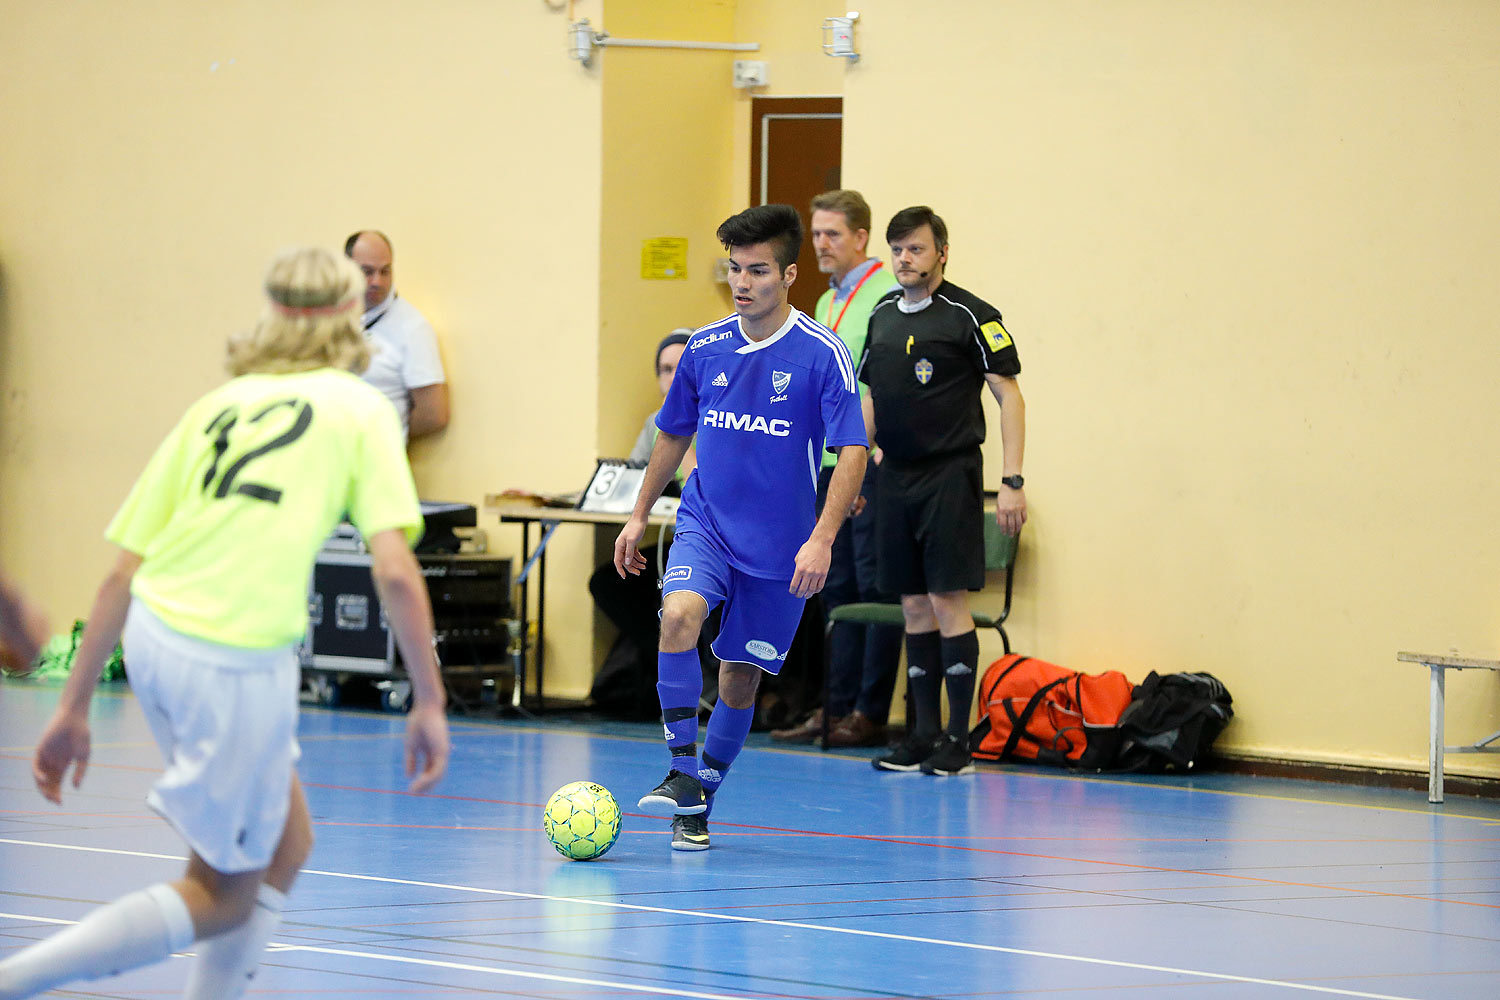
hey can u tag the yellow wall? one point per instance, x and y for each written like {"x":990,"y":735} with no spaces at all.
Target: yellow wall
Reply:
{"x":157,"y":154}
{"x":666,"y":146}
{"x":666,"y":140}
{"x":1246,"y":250}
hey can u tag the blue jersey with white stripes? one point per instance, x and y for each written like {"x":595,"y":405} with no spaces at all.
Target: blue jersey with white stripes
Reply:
{"x":762,"y":412}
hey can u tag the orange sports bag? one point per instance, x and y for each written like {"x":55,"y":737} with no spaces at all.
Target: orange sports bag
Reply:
{"x":1031,"y":710}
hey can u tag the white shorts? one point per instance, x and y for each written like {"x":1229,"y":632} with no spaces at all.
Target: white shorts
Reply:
{"x":225,"y":719}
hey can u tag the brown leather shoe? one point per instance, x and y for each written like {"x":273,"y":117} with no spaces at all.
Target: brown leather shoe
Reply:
{"x":857,"y":730}
{"x":808,"y":731}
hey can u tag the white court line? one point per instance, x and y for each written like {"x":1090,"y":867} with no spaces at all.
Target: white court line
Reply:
{"x":495,"y":971}
{"x":35,"y":920}
{"x":727,"y":917}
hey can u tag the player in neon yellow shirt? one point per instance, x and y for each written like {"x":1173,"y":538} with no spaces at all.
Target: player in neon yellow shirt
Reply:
{"x":218,"y":541}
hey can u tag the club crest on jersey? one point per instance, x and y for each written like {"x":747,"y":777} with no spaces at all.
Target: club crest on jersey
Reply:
{"x":780,"y":380}
{"x":923,"y":369}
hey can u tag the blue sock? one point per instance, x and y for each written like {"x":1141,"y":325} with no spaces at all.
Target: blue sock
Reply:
{"x":727,"y":729}
{"x":679,"y":685}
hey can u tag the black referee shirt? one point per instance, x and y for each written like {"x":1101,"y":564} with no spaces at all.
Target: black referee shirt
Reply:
{"x":925,"y":371}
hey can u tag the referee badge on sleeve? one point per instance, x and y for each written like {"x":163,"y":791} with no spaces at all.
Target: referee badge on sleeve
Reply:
{"x":995,"y":335}
{"x":924,"y":371}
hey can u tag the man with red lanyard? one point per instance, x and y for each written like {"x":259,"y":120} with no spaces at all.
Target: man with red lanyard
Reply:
{"x":862,"y":668}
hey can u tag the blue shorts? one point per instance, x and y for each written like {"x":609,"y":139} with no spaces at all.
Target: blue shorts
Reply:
{"x":760,"y":616}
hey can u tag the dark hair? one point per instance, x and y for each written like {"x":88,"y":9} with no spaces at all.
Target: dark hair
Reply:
{"x":851,"y":204}
{"x":779,"y":225}
{"x":354,"y":238}
{"x":909,"y":219}
{"x":679,"y":336}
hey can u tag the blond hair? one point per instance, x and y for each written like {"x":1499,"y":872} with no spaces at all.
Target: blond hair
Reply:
{"x":311,"y":319}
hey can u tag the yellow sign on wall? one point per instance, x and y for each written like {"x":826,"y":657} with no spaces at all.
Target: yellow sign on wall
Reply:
{"x":664,"y":258}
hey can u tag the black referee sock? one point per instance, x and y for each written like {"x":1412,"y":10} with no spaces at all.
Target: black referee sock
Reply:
{"x":924,"y":679}
{"x":960,"y":655}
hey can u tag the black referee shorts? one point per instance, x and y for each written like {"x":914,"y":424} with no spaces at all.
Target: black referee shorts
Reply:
{"x":929,"y":525}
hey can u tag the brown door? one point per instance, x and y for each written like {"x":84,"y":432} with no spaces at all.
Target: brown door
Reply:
{"x":796,"y":153}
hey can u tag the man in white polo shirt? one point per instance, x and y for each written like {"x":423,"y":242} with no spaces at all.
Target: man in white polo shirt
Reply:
{"x":404,"y":362}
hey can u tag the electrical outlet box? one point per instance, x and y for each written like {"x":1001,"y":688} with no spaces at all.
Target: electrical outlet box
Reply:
{"x":750,"y":73}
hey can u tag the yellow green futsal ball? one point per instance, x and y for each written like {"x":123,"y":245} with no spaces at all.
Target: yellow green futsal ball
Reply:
{"x":582,"y":820}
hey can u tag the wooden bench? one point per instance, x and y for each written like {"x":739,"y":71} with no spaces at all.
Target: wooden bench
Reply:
{"x":1439,"y":665}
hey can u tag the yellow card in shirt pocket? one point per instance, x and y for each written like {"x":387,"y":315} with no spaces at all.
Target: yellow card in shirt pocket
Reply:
{"x":995,"y":335}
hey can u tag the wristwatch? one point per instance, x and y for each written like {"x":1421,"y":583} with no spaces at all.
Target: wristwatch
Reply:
{"x":1014,"y":482}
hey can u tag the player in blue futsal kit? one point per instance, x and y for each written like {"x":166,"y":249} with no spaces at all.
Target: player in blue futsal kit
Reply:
{"x":764,"y":390}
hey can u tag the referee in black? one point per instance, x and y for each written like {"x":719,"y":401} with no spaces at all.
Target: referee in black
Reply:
{"x":932,"y":348}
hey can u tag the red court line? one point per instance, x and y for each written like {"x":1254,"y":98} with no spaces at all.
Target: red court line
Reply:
{"x":1230,"y":876}
{"x":92,"y":765}
{"x":905,"y":841}
{"x":1141,"y":867}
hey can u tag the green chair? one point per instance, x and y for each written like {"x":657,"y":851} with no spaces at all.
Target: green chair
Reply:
{"x":999,"y":554}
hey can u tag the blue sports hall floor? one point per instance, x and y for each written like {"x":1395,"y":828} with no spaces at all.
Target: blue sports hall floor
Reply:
{"x":827,"y":880}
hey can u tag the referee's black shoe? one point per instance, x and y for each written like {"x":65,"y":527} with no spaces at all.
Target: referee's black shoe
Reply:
{"x":906,"y":755}
{"x":949,"y":758}
{"x":679,"y":794}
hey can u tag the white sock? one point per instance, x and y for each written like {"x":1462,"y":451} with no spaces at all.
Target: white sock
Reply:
{"x":226,"y":963}
{"x":134,"y":930}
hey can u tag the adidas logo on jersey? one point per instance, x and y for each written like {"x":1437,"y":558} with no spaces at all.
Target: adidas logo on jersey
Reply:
{"x":721,"y":380}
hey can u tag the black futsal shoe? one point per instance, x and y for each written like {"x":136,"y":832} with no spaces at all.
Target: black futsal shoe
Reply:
{"x":906,"y":755}
{"x":690,"y":833}
{"x":679,"y":794}
{"x":949,"y":758}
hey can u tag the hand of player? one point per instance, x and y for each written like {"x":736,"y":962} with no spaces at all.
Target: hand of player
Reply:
{"x":812,"y":568}
{"x":858,"y":506}
{"x":1010,"y":510}
{"x":426,"y":747}
{"x":877,"y":455}
{"x":64,"y":742}
{"x":628,"y":558}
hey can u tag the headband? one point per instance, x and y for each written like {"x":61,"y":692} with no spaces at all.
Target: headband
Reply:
{"x":287,"y":310}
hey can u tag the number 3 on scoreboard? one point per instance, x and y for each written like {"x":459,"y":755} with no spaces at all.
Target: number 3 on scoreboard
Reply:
{"x":220,"y":428}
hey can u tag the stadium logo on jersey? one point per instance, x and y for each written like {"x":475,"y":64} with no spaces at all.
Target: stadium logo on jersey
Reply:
{"x":924,"y":371}
{"x":745,"y":422}
{"x":712,"y":338}
{"x":764,"y":650}
{"x":677,"y":573}
{"x":722,"y":380}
